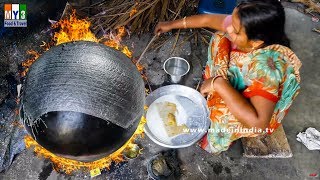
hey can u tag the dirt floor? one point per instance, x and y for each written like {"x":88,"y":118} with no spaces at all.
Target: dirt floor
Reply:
{"x":192,"y":162}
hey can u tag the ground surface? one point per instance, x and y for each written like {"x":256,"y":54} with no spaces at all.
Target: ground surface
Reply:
{"x":196,"y":163}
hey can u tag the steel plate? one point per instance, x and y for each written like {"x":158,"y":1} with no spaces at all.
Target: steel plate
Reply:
{"x":193,"y":105}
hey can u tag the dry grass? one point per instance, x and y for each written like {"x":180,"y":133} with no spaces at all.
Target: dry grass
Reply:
{"x":141,"y":16}
{"x":138,"y":16}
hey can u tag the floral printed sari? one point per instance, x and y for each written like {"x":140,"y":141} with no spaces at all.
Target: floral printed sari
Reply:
{"x":271,"y":72}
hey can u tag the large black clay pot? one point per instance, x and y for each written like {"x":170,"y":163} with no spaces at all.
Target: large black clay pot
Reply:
{"x":82,"y":100}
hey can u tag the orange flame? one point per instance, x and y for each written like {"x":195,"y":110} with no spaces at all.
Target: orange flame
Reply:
{"x":73,"y":29}
{"x":45,"y":46}
{"x":114,"y":42}
{"x":133,"y":12}
{"x":140,"y":68}
{"x":27,"y":63}
{"x":69,"y":165}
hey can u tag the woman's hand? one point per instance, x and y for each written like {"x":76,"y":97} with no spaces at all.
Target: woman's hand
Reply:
{"x":163,"y":27}
{"x":206,"y":87}
{"x":214,"y":21}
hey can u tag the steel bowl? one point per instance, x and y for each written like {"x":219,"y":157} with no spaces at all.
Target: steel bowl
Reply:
{"x":197,"y":115}
{"x":176,"y":68}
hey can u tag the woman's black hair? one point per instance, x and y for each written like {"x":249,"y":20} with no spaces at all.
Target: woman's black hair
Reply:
{"x":263,"y":20}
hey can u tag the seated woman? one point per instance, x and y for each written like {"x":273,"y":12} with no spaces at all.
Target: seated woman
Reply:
{"x":251,"y":77}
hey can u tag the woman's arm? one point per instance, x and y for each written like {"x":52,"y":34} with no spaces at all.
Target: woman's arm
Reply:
{"x":256,"y":112}
{"x":213,"y":21}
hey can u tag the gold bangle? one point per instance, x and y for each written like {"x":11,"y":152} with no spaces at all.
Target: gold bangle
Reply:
{"x":213,"y":79}
{"x":184,"y":22}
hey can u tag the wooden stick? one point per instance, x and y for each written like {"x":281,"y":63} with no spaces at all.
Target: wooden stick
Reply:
{"x":207,"y":31}
{"x":175,"y":42}
{"x":198,"y":84}
{"x":316,"y":30}
{"x":145,"y":50}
